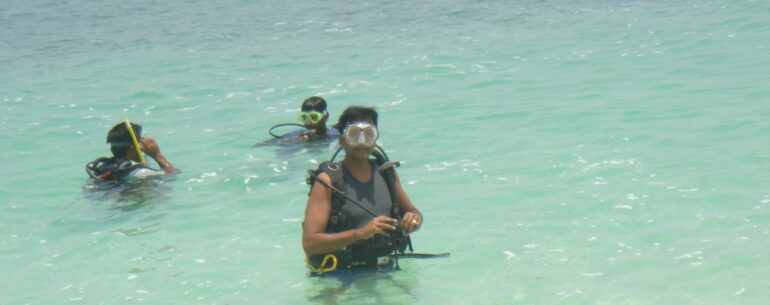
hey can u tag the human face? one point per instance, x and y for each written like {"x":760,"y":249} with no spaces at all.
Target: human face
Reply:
{"x":359,"y":139}
{"x":131,"y":151}
{"x":361,"y":134}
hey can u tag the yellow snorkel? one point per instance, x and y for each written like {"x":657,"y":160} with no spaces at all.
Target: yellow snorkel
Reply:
{"x":136,"y":143}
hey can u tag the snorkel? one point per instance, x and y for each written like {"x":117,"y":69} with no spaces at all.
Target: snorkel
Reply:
{"x":136,"y":143}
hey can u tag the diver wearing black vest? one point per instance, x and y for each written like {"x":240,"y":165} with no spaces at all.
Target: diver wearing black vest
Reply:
{"x":357,"y":213}
{"x":127,"y":162}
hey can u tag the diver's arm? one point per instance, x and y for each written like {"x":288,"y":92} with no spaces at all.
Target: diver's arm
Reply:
{"x":315,"y":240}
{"x":411,"y":217}
{"x":151,"y":148}
{"x":164,"y":164}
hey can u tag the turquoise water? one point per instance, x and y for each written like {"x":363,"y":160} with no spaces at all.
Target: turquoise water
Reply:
{"x":564,"y":152}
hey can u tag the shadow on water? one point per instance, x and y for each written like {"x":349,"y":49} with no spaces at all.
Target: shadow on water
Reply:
{"x":363,"y":287}
{"x":129,"y":196}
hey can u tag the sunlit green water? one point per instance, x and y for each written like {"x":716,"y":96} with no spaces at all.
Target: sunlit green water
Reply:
{"x":596,"y":152}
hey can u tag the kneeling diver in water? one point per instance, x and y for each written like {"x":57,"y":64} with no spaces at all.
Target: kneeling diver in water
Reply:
{"x":127,"y":162}
{"x":313,"y":120}
{"x":358,"y":215}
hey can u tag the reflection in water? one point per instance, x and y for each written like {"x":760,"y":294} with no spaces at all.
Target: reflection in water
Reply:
{"x":363,"y":287}
{"x":129,"y":196}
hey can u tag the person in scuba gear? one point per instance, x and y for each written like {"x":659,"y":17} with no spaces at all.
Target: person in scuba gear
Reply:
{"x":313,"y":117}
{"x":127,"y":161}
{"x":347,"y":230}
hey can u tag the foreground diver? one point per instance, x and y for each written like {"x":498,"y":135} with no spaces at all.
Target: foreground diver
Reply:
{"x":313,"y":117}
{"x":357,"y":214}
{"x":127,"y":162}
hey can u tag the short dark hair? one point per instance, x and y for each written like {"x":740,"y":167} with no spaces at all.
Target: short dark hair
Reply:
{"x":353,"y":113}
{"x":120,"y":139}
{"x":316,"y":103}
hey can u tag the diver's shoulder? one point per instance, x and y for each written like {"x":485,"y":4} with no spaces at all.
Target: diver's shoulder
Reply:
{"x":101,"y":161}
{"x":332,"y":132}
{"x":324,"y":177}
{"x":108,"y":168}
{"x":141,"y":172}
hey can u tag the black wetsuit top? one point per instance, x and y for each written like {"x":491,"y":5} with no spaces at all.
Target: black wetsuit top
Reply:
{"x":375,"y":196}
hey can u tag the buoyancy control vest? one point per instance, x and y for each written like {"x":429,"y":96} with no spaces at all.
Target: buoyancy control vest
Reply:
{"x":108,"y":169}
{"x":364,"y":253}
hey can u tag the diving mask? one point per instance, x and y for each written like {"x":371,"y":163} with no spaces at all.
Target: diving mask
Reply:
{"x":361,"y":134}
{"x":119,"y":144}
{"x":312,"y":117}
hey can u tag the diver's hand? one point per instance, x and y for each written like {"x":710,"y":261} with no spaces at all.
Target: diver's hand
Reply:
{"x":150,"y":147}
{"x":412,"y":221}
{"x":379,"y":225}
{"x":305,"y":135}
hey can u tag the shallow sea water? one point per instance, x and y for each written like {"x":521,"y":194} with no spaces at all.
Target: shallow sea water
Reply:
{"x":564,"y":152}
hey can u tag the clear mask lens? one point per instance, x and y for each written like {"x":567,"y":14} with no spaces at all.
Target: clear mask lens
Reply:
{"x":361,"y":134}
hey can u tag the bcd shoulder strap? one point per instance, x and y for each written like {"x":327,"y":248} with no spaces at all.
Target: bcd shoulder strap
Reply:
{"x":94,"y":168}
{"x":341,"y":257}
{"x":334,"y":170}
{"x":388,"y":172}
{"x":107,"y":168}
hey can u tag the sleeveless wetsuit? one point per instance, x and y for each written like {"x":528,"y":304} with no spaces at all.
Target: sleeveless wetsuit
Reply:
{"x":375,"y":196}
